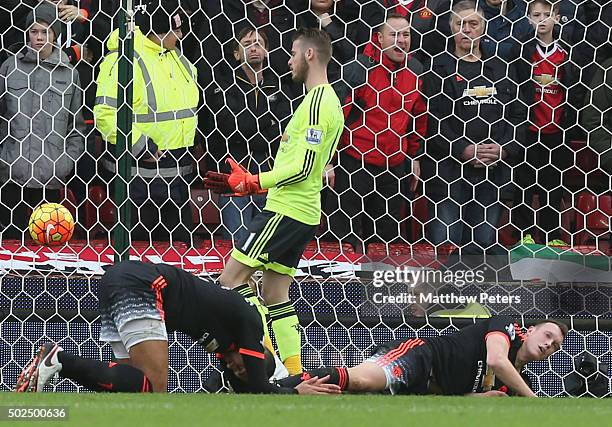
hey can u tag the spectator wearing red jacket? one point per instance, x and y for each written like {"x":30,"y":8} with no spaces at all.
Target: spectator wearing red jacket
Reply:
{"x":385,"y":125}
{"x":429,"y":29}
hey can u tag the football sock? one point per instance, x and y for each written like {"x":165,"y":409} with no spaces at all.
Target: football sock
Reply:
{"x":103,"y":376}
{"x":247,"y":292}
{"x":286,"y":327}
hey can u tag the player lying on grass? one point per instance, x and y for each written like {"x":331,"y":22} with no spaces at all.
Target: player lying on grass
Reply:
{"x":484,"y":359}
{"x":139,"y":304}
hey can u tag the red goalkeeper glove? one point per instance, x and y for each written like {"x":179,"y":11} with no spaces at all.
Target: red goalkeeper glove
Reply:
{"x":240,"y":181}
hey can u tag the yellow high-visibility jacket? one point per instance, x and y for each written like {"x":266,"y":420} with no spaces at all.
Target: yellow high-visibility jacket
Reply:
{"x":165,"y":99}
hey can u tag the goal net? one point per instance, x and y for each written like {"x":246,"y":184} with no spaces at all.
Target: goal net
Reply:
{"x":472,"y":177}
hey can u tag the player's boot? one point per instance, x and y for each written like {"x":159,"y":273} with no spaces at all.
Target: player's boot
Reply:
{"x":40,"y":370}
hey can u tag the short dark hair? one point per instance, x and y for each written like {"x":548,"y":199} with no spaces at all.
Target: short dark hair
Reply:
{"x":554,"y":5}
{"x":564,"y":328}
{"x":318,"y":39}
{"x":248,"y":30}
{"x":393,"y":15}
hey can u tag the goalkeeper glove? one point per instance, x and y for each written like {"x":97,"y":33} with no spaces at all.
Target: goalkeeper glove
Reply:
{"x":240,"y":181}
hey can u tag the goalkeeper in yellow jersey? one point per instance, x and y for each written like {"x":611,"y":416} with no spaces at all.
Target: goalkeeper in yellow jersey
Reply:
{"x":277,"y":237}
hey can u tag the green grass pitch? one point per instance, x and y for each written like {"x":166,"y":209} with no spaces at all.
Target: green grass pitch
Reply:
{"x":177,"y":410}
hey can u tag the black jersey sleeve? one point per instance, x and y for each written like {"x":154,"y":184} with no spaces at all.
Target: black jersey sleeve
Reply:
{"x":502,"y":325}
{"x":252,"y":351}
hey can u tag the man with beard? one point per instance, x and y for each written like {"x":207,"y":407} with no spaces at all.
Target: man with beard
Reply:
{"x":249,"y":110}
{"x":277,"y":237}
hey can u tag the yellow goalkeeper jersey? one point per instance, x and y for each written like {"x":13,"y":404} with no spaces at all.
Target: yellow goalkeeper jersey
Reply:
{"x":307,"y":146}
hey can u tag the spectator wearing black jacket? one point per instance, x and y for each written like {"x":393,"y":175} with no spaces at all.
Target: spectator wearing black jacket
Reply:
{"x":549,"y":88}
{"x":599,"y":31}
{"x":473,"y":109}
{"x":506,"y":24}
{"x":276,"y":17}
{"x":249,"y":110}
{"x":340,"y":19}
{"x":597,"y":117}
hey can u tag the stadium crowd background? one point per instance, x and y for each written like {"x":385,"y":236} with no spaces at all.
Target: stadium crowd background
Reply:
{"x":401,"y":121}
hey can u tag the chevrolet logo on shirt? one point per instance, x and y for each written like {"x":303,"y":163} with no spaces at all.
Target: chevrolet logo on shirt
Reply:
{"x":545,"y":79}
{"x":480,"y":92}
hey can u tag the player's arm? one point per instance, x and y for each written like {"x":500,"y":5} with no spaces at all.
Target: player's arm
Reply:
{"x":303,"y":159}
{"x":254,"y":363}
{"x":498,"y":345}
{"x":241,"y":182}
{"x":258,"y":382}
{"x":298,"y":170}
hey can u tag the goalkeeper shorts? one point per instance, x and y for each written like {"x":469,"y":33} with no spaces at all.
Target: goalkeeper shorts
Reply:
{"x":407,"y":365}
{"x":274,"y":242}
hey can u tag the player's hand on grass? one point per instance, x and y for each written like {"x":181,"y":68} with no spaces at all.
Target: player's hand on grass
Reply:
{"x":316,"y":385}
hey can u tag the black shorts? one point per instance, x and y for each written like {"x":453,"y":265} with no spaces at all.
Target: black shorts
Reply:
{"x":407,"y":365}
{"x":274,"y":242}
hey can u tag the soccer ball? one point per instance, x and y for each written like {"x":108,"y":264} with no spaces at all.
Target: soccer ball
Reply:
{"x":51,"y":224}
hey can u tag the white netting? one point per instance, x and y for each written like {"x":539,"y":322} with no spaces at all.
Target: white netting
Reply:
{"x":431,"y":116}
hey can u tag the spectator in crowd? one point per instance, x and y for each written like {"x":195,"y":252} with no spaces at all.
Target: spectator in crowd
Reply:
{"x":474,"y":110}
{"x":73,"y":16}
{"x":599,"y":31}
{"x":340,"y":19}
{"x":385,"y":125}
{"x":41,"y":126}
{"x":506,"y":25}
{"x":165,"y":105}
{"x":250,"y":111}
{"x":71,"y":38}
{"x":597,"y":118}
{"x":549,"y":89}
{"x":276,"y":17}
{"x":74,"y":19}
{"x":429,"y":23}
{"x":571,"y":28}
{"x":13,"y":14}
{"x":585,"y":26}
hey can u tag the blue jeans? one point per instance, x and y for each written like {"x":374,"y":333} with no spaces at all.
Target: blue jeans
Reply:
{"x":462,"y":219}
{"x":237,"y":213}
